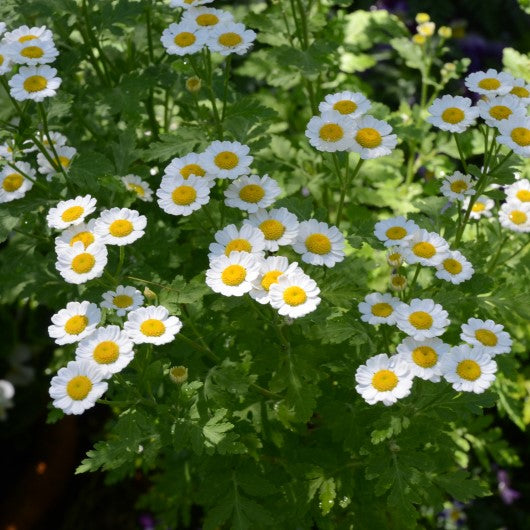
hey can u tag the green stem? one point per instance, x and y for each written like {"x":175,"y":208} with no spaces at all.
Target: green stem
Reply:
{"x":385,"y":338}
{"x":225,"y":85}
{"x":413,"y":282}
{"x":120,"y":262}
{"x":518,"y":251}
{"x":460,"y":152}
{"x":347,"y":179}
{"x":497,"y":254}
{"x":303,"y":24}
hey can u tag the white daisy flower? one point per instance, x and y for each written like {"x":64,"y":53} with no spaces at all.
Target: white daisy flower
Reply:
{"x":206,"y":17}
{"x":521,"y":89}
{"x":330,"y":132}
{"x":319,"y":243}
{"x":468,"y":369}
{"x":7,"y":151}
{"x":398,"y":282}
{"x":395,"y":231}
{"x":246,"y":239}
{"x":188,"y":4}
{"x":75,"y":322}
{"x":481,"y":207}
{"x":57,"y":139}
{"x":120,"y":226}
{"x":486,"y":336}
{"x":251,"y":192}
{"x":394,"y":257}
{"x":489,"y":83}
{"x":123,"y":299}
{"x":3,"y":27}
{"x":13,"y":185}
{"x":77,"y":264}
{"x":227,"y":159}
{"x":179,"y":196}
{"x":457,"y":186}
{"x":270,"y":270}
{"x":183,"y":39}
{"x":372,"y":138}
{"x":279,"y":226}
{"x":230,"y":37}
{"x":34,"y":82}
{"x":152,"y":324}
{"x":452,"y":113}
{"x":65,"y":154}
{"x":426,"y":29}
{"x":140,"y":187}
{"x":232,"y":275}
{"x":519,"y":191}
{"x":496,"y":109}
{"x":421,"y":319}
{"x":5,"y":61}
{"x":383,"y":378}
{"x":427,"y":248}
{"x":352,"y":104}
{"x":515,"y":216}
{"x":77,"y":386}
{"x":424,"y":357}
{"x":294,"y":294}
{"x":83,"y":232}
{"x":379,"y":308}
{"x":109,"y":348}
{"x":71,"y":212}
{"x":515,"y":133}
{"x":455,"y":268}
{"x":33,"y":52}
{"x":25,"y":34}
{"x":190,"y":164}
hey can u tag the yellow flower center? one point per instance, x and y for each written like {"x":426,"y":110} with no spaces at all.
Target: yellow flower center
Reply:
{"x":398,"y":280}
{"x":234,"y":275}
{"x":331,"y":132}
{"x":500,"y":112}
{"x":521,"y":136}
{"x":424,"y":250}
{"x":424,"y":356}
{"x":121,"y":228}
{"x":238,"y":245}
{"x":269,"y":278}
{"x":83,"y":263}
{"x":12,"y":182}
{"x":396,"y":232}
{"x":345,"y":106}
{"x":193,"y":84}
{"x":272,"y":229}
{"x":184,"y":39}
{"x":226,"y":160}
{"x":318,"y":244}
{"x":179,"y":373}
{"x":486,"y":337}
{"x":152,"y":327}
{"x":106,"y":352}
{"x":382,"y":309}
{"x":294,"y":296}
{"x":63,"y":160}
{"x":87,"y":238}
{"x":458,"y":186}
{"x":192,"y":169}
{"x":251,"y":193}
{"x":452,"y":266}
{"x":1,"y":59}
{"x":230,"y":39}
{"x":79,"y":387}
{"x":35,"y":83}
{"x":25,"y":38}
{"x":478,"y":207}
{"x":207,"y":19}
{"x":72,"y":214}
{"x":76,"y":324}
{"x":122,"y":301}
{"x":368,"y":137}
{"x":384,"y":380}
{"x":420,"y":320}
{"x":184,"y":195}
{"x":523,"y":195}
{"x":520,"y":92}
{"x":395,"y":257}
{"x":469,"y":370}
{"x":32,"y":52}
{"x":489,"y":83}
{"x":137,"y":188}
{"x":453,"y":115}
{"x":517,"y":217}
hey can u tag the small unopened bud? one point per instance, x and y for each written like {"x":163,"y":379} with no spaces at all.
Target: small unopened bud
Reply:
{"x":394,"y":257}
{"x":193,"y":84}
{"x":178,"y":374}
{"x":419,"y":39}
{"x":150,"y":295}
{"x":426,"y":29}
{"x":398,"y":282}
{"x":445,"y":32}
{"x":421,"y":18}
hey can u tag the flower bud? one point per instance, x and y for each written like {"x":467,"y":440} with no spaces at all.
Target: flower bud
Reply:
{"x":193,"y":84}
{"x":150,"y":295}
{"x":398,"y":282}
{"x":178,"y":374}
{"x":426,"y":29}
{"x":445,"y":32}
{"x":419,"y":39}
{"x":422,"y":18}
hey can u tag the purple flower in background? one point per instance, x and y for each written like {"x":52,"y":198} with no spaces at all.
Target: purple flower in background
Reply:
{"x":508,"y":495}
{"x":481,"y":51}
{"x":147,"y":521}
{"x":453,"y":516}
{"x":394,"y":6}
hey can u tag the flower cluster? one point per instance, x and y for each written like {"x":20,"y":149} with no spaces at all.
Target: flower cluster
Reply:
{"x":425,"y":29}
{"x":514,"y":214}
{"x":344,"y":125}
